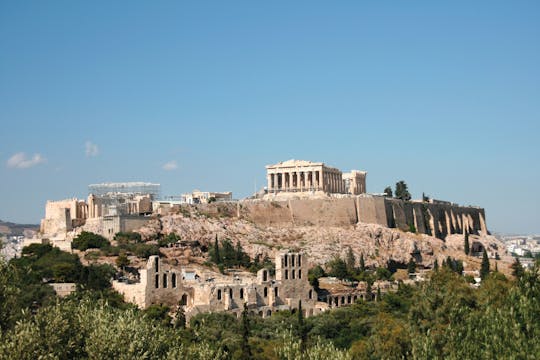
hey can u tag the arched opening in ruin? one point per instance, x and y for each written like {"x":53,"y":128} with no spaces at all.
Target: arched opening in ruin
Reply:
{"x":219,"y":294}
{"x":292,"y":274}
{"x":310,"y":294}
{"x":265,"y":275}
{"x":355,"y":298}
{"x":261,"y":313}
{"x":241,"y":293}
{"x":184,"y":300}
{"x":173,"y":280}
{"x":164,"y":281}
{"x":349,"y":299}
{"x":156,"y":265}
{"x":286,"y":258}
{"x":230,"y":294}
{"x":342,"y":300}
{"x":292,"y":260}
{"x":268,"y":313}
{"x":156,"y":281}
{"x":276,"y":291}
{"x":299,"y":273}
{"x":299,"y":260}
{"x":265,"y":292}
{"x":286,"y":274}
{"x":336,"y":301}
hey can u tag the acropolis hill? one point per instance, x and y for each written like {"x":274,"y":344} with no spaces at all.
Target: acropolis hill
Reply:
{"x":307,"y":208}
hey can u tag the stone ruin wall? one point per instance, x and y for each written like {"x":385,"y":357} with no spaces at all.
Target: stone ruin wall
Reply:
{"x":263,"y":295}
{"x":437,"y":219}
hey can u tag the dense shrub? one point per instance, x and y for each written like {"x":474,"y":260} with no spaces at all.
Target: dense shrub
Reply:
{"x":87,"y":240}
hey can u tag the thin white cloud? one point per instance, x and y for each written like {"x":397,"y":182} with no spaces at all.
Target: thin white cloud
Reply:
{"x":169,"y":166}
{"x":91,"y":149}
{"x":20,"y":161}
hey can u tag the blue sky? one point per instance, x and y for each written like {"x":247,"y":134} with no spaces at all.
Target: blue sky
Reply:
{"x":445,"y":96}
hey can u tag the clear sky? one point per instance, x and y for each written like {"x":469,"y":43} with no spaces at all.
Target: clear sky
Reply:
{"x":204,"y":94}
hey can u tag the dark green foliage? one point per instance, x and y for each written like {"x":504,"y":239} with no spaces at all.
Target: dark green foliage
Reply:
{"x":228,"y":256}
{"x":388,"y":191}
{"x":484,"y":267}
{"x":362,"y":264}
{"x":411,"y":266}
{"x":159,"y":313}
{"x":350,"y":260}
{"x":301,"y":328}
{"x":246,"y":349}
{"x":402,"y":191}
{"x":412,"y":228}
{"x":338,"y":268}
{"x":97,"y":277}
{"x":517,"y":269}
{"x":122,"y":261}
{"x":314,"y":274}
{"x":87,"y":240}
{"x":383,"y":274}
{"x":436,"y":265}
{"x":443,"y":318}
{"x":215,"y":255}
{"x":171,"y":238}
{"x":127,"y":237}
{"x":466,"y":246}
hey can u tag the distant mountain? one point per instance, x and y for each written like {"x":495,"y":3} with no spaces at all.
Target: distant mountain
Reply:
{"x":9,"y":228}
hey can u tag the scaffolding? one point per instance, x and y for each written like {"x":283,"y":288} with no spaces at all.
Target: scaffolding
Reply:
{"x":133,"y":188}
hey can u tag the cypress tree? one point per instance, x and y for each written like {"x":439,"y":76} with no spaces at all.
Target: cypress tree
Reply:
{"x":466,"y":246}
{"x":302,"y":330}
{"x":362,"y":263}
{"x":436,"y":265}
{"x":350,"y":261}
{"x":246,"y":349}
{"x":484,"y":267}
{"x":517,"y":269}
{"x":217,"y":257}
{"x":411,"y":266}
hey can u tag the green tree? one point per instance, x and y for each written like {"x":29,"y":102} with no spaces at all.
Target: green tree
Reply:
{"x":215,"y":256}
{"x":88,"y":240}
{"x":402,"y":191}
{"x":338,"y":268}
{"x":466,"y":246}
{"x":388,"y":191}
{"x":517,"y":269}
{"x":350,"y":260}
{"x":246,"y":349}
{"x":436,"y":265}
{"x":362,"y":263}
{"x":484,"y":266}
{"x":411,"y":266}
{"x":122,"y":261}
{"x":302,"y":330}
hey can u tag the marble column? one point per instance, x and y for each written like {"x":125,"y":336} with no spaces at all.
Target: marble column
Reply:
{"x":269,"y":180}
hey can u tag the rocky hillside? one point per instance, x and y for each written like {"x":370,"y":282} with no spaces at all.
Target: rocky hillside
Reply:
{"x":378,"y":244}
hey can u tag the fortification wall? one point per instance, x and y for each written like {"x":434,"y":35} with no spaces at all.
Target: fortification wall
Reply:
{"x":438,"y":219}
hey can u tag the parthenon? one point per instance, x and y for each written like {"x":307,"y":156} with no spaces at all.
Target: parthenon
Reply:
{"x":306,"y":176}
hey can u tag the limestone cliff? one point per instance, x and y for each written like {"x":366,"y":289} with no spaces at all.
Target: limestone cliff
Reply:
{"x":321,"y":243}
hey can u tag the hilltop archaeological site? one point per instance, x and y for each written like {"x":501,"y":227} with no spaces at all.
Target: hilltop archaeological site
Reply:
{"x":307,"y":215}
